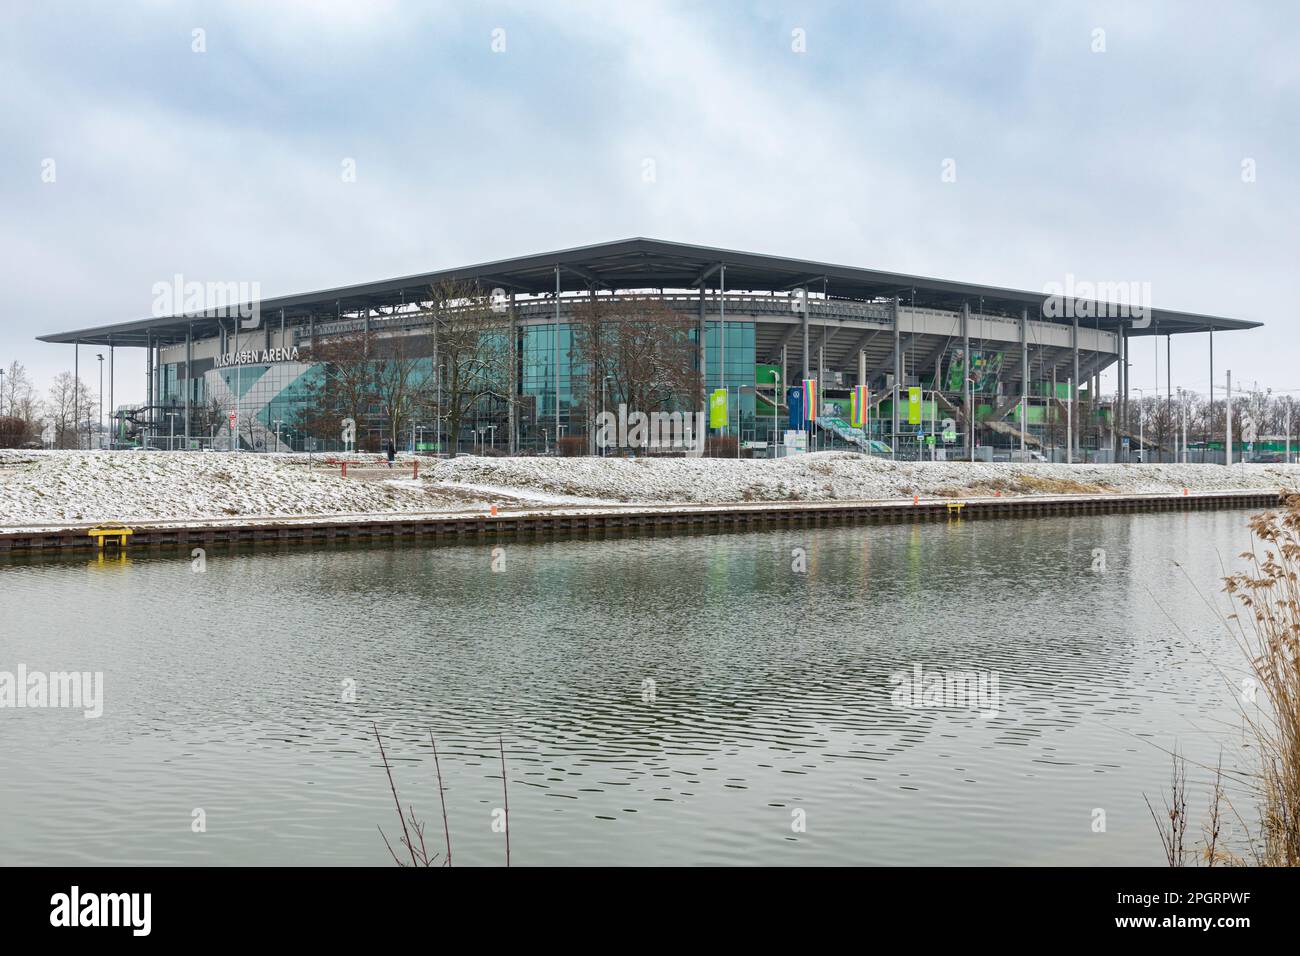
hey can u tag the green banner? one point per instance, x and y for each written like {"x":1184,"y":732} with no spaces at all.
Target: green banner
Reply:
{"x":913,"y":405}
{"x":718,"y":408}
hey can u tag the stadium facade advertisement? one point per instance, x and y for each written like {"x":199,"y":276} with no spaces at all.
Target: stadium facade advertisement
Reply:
{"x":256,"y":357}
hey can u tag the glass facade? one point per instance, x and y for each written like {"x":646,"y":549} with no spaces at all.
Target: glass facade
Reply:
{"x":737,"y":360}
{"x":267,"y":394}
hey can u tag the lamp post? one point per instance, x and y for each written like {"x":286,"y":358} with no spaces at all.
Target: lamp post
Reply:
{"x":1227,"y":445}
{"x":1069,"y":421}
{"x":171,"y":438}
{"x":100,"y":356}
{"x":1180,"y":430}
{"x":603,"y":382}
{"x":1142,"y":445}
{"x":970,"y":403}
{"x":277,"y":434}
{"x":1288,"y":430}
{"x":776,"y":398}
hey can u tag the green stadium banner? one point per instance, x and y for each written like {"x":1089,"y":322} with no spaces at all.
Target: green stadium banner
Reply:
{"x":718,"y":408}
{"x":913,"y":405}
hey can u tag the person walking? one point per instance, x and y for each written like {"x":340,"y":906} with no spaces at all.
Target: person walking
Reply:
{"x":392,"y":453}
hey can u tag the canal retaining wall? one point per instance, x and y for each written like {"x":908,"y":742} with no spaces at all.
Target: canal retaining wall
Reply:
{"x":634,"y":519}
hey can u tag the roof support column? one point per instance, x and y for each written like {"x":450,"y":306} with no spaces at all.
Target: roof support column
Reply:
{"x":590,"y":398}
{"x":1209,"y":419}
{"x":1123,"y":379}
{"x":1169,"y":388}
{"x":239,"y":381}
{"x":702,"y":348}
{"x":821,"y":343}
{"x":555,"y":359}
{"x":513,"y":354}
{"x":434,"y":310}
{"x":189,"y":382}
{"x":111,"y":406}
{"x":722,"y":346}
{"x":806,"y":346}
{"x":821,"y":364}
{"x":1024,"y":377}
{"x":785,"y":383}
{"x":968,"y":385}
{"x":898,"y":380}
{"x":1074,"y":391}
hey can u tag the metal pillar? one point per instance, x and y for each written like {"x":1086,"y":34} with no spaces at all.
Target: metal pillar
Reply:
{"x":76,"y":390}
{"x":1227,"y":417}
{"x":703,"y":352}
{"x":1122,"y":385}
{"x":967,"y":386}
{"x":821,"y":365}
{"x":1024,"y":376}
{"x":189,"y":381}
{"x":555,"y":358}
{"x":1169,"y":385}
{"x":806,"y":346}
{"x":511,"y":416}
{"x":722,"y":348}
{"x":148,"y":386}
{"x":1069,"y":426}
{"x":1209,"y":418}
{"x":1074,"y":382}
{"x":111,"y":406}
{"x":898,"y":376}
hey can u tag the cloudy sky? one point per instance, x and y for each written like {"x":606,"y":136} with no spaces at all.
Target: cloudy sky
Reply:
{"x":226,"y":165}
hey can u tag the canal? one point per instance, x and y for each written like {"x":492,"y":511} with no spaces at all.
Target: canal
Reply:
{"x":729,"y":699}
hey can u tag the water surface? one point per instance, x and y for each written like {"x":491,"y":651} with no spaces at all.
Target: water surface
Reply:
{"x":771,"y":696}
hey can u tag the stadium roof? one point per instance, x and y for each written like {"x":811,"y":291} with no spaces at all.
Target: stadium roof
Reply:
{"x":638,"y":264}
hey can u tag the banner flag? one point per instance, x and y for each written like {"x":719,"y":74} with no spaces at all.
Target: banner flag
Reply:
{"x":858,"y":406}
{"x":718,"y":408}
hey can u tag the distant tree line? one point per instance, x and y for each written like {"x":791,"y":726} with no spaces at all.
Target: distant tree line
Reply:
{"x":66,"y":413}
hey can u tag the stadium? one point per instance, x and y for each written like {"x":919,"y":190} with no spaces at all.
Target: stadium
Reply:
{"x":893,"y":364}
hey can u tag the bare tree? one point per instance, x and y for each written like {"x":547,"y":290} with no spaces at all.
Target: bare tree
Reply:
{"x":69,"y":397}
{"x":474,"y":355}
{"x":19,"y":399}
{"x":345,"y":385}
{"x":638,"y":351}
{"x":403,"y":380}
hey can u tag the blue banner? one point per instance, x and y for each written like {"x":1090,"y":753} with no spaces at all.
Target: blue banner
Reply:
{"x":794,"y":402}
